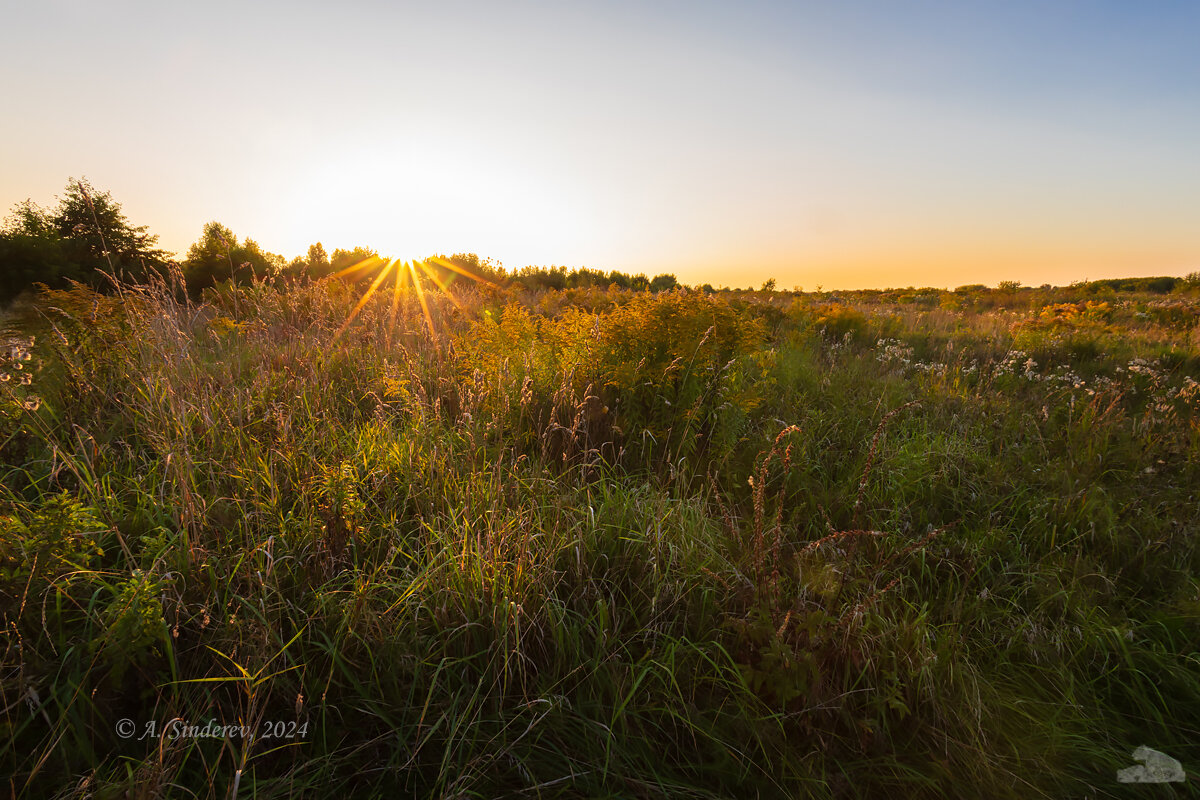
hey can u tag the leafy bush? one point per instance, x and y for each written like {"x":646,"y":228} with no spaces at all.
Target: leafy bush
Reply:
{"x":41,"y":543}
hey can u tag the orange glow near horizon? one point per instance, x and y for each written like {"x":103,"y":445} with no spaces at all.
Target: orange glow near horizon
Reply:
{"x":845,"y":145}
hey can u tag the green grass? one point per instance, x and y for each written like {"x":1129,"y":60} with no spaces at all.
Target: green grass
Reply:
{"x":673,"y":545}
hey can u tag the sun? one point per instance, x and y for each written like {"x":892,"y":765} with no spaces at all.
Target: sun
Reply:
{"x":405,"y":274}
{"x":435,"y":195}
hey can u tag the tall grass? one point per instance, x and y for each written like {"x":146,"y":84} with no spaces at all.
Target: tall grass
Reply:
{"x":500,"y":544}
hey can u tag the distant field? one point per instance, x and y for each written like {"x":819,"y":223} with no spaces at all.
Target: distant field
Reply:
{"x":502,"y":541}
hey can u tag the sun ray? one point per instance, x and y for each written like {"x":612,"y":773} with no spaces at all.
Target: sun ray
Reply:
{"x":364,"y":265}
{"x":383,"y":273}
{"x":416,"y":279}
{"x":441,"y":262}
{"x":412,"y":271}
{"x":396,"y":291}
{"x":433,"y":276}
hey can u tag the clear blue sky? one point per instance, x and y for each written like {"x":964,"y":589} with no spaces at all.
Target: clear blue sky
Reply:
{"x":838,"y":143}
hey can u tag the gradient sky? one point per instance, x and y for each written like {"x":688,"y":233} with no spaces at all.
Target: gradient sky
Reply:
{"x":844,"y":144}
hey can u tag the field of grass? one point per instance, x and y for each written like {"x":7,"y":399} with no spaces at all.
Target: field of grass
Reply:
{"x":598,"y":543}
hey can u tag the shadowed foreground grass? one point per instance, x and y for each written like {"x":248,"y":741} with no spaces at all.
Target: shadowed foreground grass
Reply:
{"x":596,"y":544}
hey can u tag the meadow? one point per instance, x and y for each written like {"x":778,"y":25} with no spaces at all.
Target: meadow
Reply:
{"x":490,"y":540}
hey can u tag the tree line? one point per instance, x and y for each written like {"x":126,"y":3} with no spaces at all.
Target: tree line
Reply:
{"x":86,"y":238}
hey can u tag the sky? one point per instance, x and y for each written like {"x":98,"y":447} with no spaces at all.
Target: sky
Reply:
{"x":844,"y":144}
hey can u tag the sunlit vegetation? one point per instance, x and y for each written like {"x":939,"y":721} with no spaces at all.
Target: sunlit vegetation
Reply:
{"x":557,"y":533}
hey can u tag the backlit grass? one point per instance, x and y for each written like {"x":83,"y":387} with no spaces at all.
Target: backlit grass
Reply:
{"x":598,"y":544}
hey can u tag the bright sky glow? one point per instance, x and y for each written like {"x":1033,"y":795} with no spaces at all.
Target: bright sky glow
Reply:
{"x":844,"y":144}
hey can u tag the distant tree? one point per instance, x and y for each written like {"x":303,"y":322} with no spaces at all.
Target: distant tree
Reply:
{"x":219,"y":256}
{"x":543,"y":278}
{"x":620,"y":279}
{"x":31,"y":251}
{"x":317,"y":261}
{"x":556,"y":278}
{"x":85,"y":235}
{"x":210,"y":259}
{"x":354,"y":264}
{"x":479,"y":269}
{"x":100,"y":237}
{"x":261,"y":262}
{"x":768,"y":285}
{"x":28,"y":218}
{"x":314,"y":264}
{"x":584,"y":277}
{"x":663,"y":283}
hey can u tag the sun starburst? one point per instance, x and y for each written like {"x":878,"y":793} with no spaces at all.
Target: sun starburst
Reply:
{"x":405,"y":274}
